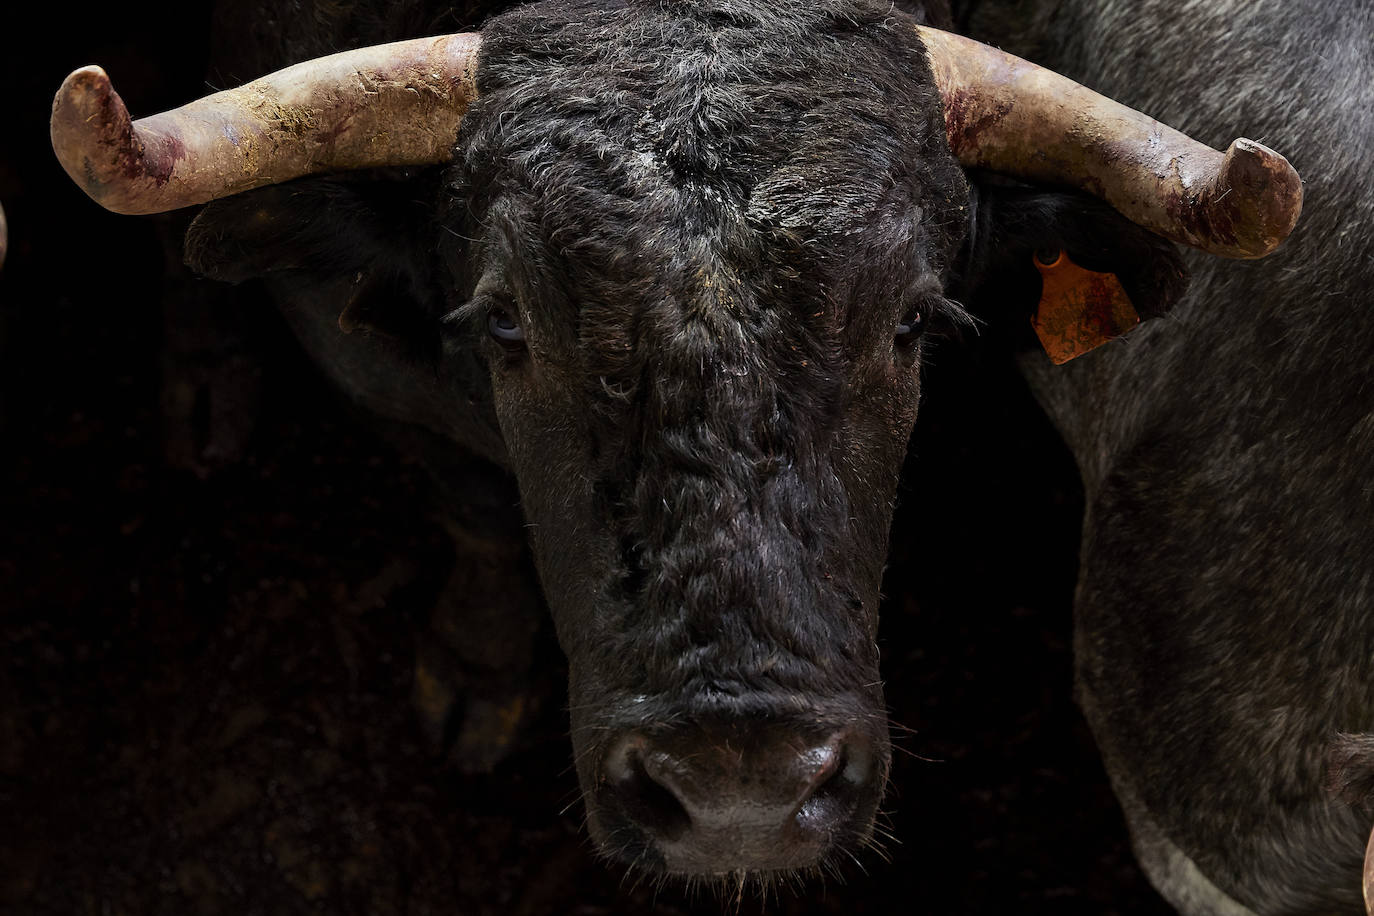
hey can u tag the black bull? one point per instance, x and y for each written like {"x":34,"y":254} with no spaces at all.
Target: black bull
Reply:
{"x":710,"y":485}
{"x":1224,"y":631}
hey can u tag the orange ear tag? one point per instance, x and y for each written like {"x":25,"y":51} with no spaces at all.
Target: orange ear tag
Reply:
{"x":1079,"y":309}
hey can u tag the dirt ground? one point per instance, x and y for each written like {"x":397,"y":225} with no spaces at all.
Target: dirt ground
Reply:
{"x":205,"y":679}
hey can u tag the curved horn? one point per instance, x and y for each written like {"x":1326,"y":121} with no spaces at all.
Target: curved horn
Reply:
{"x":1369,"y":876}
{"x":1008,"y":115}
{"x":394,"y":104}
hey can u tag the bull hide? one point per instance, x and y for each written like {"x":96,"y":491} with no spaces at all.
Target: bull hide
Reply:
{"x":1223,"y":621}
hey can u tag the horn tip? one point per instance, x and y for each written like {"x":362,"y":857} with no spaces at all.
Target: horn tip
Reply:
{"x":91,"y":133}
{"x":1271,"y":185}
{"x":90,"y":72}
{"x":82,"y":91}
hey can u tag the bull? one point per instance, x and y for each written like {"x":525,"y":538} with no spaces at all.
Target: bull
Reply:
{"x":1224,"y":651}
{"x":672,"y":265}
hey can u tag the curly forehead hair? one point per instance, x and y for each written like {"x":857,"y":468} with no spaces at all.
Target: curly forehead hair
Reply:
{"x":708,"y":123}
{"x":693,"y":198}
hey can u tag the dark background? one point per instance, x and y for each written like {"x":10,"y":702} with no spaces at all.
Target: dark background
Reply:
{"x":205,"y":664}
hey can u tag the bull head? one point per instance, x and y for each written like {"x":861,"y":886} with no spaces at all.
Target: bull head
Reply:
{"x":693,"y":258}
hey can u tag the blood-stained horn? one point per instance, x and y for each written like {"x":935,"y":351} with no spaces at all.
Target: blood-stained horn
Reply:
{"x":1007,"y":115}
{"x":393,"y":104}
{"x":401,"y":104}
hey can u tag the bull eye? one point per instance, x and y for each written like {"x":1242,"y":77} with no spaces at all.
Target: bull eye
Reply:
{"x":911,"y":327}
{"x":504,"y":329}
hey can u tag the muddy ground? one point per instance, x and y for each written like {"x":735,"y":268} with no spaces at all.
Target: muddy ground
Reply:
{"x":205,"y":677}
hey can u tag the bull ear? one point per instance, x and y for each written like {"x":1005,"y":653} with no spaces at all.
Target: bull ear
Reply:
{"x":1013,"y":224}
{"x":370,"y":228}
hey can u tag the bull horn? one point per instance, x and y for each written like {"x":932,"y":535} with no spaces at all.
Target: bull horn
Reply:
{"x":1369,"y":876}
{"x":1008,"y":115}
{"x":393,"y":104}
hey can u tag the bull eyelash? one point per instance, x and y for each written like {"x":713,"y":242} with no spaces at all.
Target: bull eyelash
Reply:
{"x":470,"y":312}
{"x":954,"y":312}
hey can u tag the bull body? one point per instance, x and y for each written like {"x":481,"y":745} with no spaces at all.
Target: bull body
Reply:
{"x":1223,"y":633}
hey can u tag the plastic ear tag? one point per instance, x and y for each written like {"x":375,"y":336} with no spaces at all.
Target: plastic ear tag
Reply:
{"x":1079,"y":309}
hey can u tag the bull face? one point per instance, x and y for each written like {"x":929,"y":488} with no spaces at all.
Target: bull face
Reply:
{"x":686,"y":258}
{"x":701,"y":300}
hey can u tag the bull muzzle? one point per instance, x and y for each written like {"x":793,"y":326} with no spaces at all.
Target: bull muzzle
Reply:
{"x":719,"y":797}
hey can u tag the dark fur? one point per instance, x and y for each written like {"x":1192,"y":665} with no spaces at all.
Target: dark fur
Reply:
{"x":708,"y":218}
{"x":1226,"y":593}
{"x":1351,"y":769}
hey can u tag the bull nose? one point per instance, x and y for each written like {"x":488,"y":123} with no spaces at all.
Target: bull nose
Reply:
{"x":715,"y":798}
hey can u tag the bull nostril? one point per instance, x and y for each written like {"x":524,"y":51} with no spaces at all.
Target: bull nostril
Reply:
{"x":838,"y":785}
{"x":645,"y":798}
